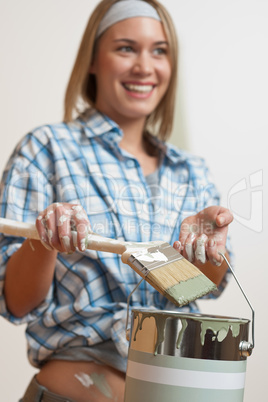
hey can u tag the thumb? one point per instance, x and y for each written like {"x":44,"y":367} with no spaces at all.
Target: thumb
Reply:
{"x":224,"y":218}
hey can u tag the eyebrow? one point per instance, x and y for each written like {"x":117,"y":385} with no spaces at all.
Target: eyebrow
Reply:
{"x":133,"y":41}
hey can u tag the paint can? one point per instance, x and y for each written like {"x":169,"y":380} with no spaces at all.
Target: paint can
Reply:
{"x":186,"y":357}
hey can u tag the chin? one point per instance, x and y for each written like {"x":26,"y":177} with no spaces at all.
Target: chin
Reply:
{"x":140,"y":111}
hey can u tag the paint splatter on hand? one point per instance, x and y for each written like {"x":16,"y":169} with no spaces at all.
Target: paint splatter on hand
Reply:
{"x":204,"y":234}
{"x":63,"y":227}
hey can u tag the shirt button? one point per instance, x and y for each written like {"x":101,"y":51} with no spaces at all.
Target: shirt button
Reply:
{"x":130,"y":163}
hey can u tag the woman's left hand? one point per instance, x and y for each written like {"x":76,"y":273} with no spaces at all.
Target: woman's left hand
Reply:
{"x":204,"y":234}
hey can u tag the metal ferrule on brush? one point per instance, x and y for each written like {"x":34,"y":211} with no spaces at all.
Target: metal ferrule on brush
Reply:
{"x":154,"y":257}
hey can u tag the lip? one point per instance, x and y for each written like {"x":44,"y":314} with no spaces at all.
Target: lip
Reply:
{"x":140,"y":90}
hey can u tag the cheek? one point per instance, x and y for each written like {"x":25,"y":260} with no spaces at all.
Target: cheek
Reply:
{"x":167,"y":72}
{"x":103,"y":67}
{"x":164,"y":72}
{"x":118,"y":67}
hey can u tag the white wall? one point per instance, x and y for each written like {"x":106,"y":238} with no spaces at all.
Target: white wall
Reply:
{"x":222,"y":109}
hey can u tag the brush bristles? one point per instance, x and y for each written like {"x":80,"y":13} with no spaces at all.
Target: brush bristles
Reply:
{"x":184,"y":291}
{"x":173,"y":273}
{"x":176,"y":278}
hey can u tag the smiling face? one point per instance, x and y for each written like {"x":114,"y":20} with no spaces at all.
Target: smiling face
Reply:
{"x":132,"y":69}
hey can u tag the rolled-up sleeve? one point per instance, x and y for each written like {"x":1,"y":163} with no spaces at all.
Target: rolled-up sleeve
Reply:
{"x":25,"y":190}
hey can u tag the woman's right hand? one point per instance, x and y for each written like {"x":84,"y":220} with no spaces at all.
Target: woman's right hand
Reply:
{"x":63,"y":227}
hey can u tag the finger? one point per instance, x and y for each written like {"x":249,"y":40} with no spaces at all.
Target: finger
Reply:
{"x":189,"y":247}
{"x":185,"y":230}
{"x":45,"y":223}
{"x":212,"y":253}
{"x":42,"y":232}
{"x":82,"y":226}
{"x":177,"y":245}
{"x":40,"y":226}
{"x":64,"y":223}
{"x":51,"y":223}
{"x":224,"y":218}
{"x":82,"y":232}
{"x":79,"y":213}
{"x":200,"y":250}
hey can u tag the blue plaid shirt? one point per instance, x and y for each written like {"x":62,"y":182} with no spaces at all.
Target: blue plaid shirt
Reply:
{"x":81,"y":162}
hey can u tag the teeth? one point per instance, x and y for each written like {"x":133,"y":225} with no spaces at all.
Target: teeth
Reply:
{"x":139,"y":88}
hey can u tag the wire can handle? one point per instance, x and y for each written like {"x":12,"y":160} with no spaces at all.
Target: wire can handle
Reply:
{"x":244,"y":347}
{"x":127,"y":328}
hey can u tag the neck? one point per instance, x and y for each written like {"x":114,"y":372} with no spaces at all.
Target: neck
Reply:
{"x":133,"y":130}
{"x":132,"y":141}
{"x":135,"y":143}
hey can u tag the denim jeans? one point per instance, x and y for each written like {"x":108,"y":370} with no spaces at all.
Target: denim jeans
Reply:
{"x":37,"y":393}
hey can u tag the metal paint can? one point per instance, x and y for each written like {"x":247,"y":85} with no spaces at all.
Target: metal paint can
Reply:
{"x":186,"y":357}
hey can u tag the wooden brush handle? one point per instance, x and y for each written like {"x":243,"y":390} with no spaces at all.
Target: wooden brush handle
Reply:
{"x":21,"y":229}
{"x":94,"y":241}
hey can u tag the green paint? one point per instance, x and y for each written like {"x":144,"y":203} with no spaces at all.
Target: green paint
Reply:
{"x":187,"y":363}
{"x":143,"y":391}
{"x":220,"y":326}
{"x":146,"y":391}
{"x":220,"y":329}
{"x":184,"y":324}
{"x":160,"y":326}
{"x":100,"y":382}
{"x":186,"y":291}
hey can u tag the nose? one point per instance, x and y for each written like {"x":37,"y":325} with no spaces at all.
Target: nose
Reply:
{"x":143,"y":64}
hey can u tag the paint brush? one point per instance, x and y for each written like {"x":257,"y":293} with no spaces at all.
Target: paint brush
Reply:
{"x":157,"y":262}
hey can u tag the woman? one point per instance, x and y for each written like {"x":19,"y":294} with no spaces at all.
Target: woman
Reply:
{"x":103,"y":169}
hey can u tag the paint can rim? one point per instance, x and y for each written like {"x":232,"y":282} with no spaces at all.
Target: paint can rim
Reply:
{"x":193,"y":316}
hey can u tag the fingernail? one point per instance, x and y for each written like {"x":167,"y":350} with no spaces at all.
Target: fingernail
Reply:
{"x":211,"y":243}
{"x":83,"y":244}
{"x":200,"y":252}
{"x":46,"y":246}
{"x":221,"y":220}
{"x":49,"y":235}
{"x":189,"y":251}
{"x":74,"y":237}
{"x":193,"y":236}
{"x":177,"y":245}
{"x":217,"y":263}
{"x":67,"y":243}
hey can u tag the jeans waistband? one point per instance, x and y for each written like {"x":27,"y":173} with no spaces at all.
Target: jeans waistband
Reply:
{"x":37,"y":393}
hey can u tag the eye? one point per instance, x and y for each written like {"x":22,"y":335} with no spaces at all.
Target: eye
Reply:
{"x":159,"y":51}
{"x":125,"y":49}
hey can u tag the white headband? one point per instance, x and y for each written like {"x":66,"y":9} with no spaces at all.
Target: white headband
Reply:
{"x":124,"y":9}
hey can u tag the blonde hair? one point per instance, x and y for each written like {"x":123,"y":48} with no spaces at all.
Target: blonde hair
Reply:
{"x":81,"y":90}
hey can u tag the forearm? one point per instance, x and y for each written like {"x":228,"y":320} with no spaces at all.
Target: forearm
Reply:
{"x":29,"y":274}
